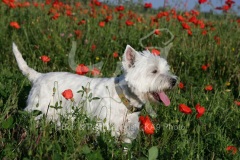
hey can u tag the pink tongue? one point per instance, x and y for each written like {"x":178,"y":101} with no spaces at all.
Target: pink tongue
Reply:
{"x":164,"y":98}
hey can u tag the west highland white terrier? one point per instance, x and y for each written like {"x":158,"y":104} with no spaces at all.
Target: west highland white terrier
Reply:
{"x":120,"y":99}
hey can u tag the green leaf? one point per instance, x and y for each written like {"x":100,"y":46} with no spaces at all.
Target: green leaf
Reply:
{"x":90,"y":96}
{"x":80,"y":91}
{"x":36,"y":113}
{"x":23,"y":112}
{"x":83,"y":88}
{"x":127,"y":145}
{"x":153,"y":153}
{"x":57,"y":147}
{"x":104,"y":120}
{"x":56,"y":156}
{"x":56,"y":104}
{"x":95,"y":98}
{"x":56,"y":107}
{"x":8,"y":123}
{"x":95,"y":155}
{"x":85,"y":149}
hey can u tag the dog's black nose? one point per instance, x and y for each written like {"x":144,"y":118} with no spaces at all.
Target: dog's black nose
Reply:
{"x":173,"y":81}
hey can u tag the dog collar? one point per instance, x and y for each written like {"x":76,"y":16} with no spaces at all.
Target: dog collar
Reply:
{"x":123,"y":98}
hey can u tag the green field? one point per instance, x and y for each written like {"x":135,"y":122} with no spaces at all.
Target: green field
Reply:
{"x":209,"y":55}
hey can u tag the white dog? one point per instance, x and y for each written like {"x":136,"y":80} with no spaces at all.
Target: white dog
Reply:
{"x":121,"y":99}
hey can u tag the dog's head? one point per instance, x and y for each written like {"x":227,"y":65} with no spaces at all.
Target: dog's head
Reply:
{"x":148,"y":75}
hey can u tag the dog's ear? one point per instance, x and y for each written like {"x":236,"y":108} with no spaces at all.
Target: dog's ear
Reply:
{"x":129,"y":57}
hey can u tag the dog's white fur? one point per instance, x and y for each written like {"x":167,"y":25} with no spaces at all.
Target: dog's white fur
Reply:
{"x":139,"y":80}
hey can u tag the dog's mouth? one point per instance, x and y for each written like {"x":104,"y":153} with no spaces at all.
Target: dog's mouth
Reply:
{"x":161,"y":97}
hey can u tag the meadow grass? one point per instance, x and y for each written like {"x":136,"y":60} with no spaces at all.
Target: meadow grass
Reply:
{"x":177,"y":135}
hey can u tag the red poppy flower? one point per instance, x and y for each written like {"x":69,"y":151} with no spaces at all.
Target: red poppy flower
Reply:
{"x":232,"y":148}
{"x":189,"y":32}
{"x":120,"y":16}
{"x":173,"y":11}
{"x":83,"y":21}
{"x":157,"y":32}
{"x":81,"y":69}
{"x":114,"y":38}
{"x":78,"y":33}
{"x":209,"y":88}
{"x":56,"y":16}
{"x":95,"y":72}
{"x":129,"y":23}
{"x":45,"y":58}
{"x":35,"y":4}
{"x":205,"y":67}
{"x":229,"y":2}
{"x":5,"y":1}
{"x":69,"y":13}
{"x":115,"y":54}
{"x":155,"y":52}
{"x":24,"y":4}
{"x":101,"y":24}
{"x":184,"y":109}
{"x":93,"y":47}
{"x":204,"y":32}
{"x":140,"y":19}
{"x":200,"y":110}
{"x":119,"y":8}
{"x":181,"y":85}
{"x":187,"y":14}
{"x":195,"y":12}
{"x":202,"y":1}
{"x":212,"y":29}
{"x":217,"y":39}
{"x":146,"y":124}
{"x":166,"y":13}
{"x":68,"y":94}
{"x":226,"y":7}
{"x":218,"y":8}
{"x":10,"y":3}
{"x":180,"y":18}
{"x":15,"y":25}
{"x":77,"y":4}
{"x":201,"y":24}
{"x":194,"y":20}
{"x":97,"y":3}
{"x":105,"y":7}
{"x":148,"y":5}
{"x":237,"y":103}
{"x":108,"y":19}
{"x":185,"y":26}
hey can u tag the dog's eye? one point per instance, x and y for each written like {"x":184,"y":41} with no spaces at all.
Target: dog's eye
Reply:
{"x":154,"y":71}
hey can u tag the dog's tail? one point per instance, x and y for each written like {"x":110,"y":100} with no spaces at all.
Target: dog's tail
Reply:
{"x":26,"y":70}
